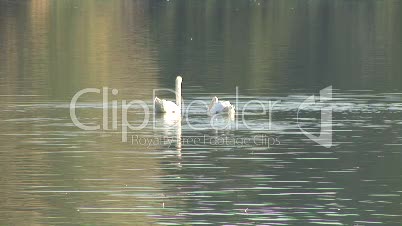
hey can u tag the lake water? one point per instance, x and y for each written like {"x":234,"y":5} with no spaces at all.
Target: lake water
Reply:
{"x":53,"y":173}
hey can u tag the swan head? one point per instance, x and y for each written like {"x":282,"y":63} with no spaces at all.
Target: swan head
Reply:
{"x":179,"y":79}
{"x":213,"y":102}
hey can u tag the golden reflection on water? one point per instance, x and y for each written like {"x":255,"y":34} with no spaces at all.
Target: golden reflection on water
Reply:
{"x":47,"y":167}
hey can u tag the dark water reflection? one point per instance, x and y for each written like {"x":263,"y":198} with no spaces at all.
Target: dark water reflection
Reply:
{"x":54,"y":173}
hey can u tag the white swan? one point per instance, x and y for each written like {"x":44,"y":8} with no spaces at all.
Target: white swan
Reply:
{"x":217,"y":107}
{"x":165,"y":106}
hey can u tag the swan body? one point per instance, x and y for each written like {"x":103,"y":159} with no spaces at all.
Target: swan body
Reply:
{"x":165,"y":106}
{"x":217,"y":107}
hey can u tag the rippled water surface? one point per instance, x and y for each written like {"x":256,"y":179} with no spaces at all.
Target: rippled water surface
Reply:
{"x":255,"y":169}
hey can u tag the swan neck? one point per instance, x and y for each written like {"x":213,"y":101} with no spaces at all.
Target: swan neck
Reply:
{"x":178,"y":93}
{"x":211,"y":105}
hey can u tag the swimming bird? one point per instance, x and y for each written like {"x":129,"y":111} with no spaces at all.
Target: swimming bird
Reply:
{"x":165,"y":106}
{"x":218,"y":106}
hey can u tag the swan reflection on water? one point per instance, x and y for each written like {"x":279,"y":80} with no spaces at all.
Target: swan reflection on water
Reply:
{"x":168,"y":125}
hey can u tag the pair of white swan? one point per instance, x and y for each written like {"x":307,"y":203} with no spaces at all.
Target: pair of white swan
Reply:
{"x":216,"y":106}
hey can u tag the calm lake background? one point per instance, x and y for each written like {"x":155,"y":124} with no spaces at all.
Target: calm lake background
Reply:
{"x":53,"y":173}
